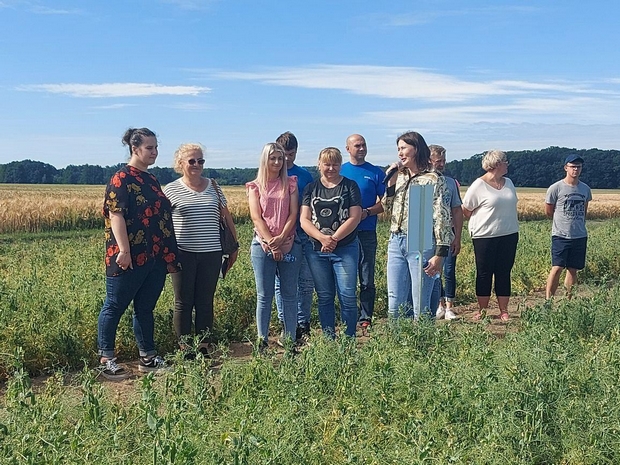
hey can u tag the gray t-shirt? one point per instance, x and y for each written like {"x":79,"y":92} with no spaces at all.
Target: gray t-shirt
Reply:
{"x":569,"y":217}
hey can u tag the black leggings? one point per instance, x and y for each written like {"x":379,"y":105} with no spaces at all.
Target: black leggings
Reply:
{"x":194,"y":287}
{"x":494,"y":256}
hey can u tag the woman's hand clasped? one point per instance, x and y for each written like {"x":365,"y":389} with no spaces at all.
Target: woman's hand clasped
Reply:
{"x":328,"y":244}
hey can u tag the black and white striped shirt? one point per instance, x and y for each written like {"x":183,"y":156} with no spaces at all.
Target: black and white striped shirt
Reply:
{"x":196,"y":216}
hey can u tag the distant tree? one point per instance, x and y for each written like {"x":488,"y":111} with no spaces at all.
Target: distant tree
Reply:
{"x":28,"y":172}
{"x":528,"y":168}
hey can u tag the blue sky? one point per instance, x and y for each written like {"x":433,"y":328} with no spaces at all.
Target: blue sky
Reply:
{"x":233,"y":75}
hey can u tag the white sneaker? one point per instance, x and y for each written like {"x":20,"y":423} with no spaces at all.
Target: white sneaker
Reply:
{"x":441,"y":312}
{"x":450,"y":315}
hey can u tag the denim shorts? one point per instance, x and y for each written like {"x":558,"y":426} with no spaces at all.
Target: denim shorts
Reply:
{"x":568,"y":253}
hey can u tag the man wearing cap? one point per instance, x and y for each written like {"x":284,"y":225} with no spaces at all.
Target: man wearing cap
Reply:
{"x":369,"y":178}
{"x":567,"y":203}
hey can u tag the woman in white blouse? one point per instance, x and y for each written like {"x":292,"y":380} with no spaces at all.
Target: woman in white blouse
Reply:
{"x":196,"y":211}
{"x":490,"y":204}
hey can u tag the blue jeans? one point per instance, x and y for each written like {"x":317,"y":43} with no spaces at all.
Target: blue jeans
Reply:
{"x":142,"y":284}
{"x":402,"y":270}
{"x":265,"y":271}
{"x":447,"y":290}
{"x":366,"y":270}
{"x":335,"y":271}
{"x":305,"y":285}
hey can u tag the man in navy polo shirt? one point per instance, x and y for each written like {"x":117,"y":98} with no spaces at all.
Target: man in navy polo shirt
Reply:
{"x":369,"y":178}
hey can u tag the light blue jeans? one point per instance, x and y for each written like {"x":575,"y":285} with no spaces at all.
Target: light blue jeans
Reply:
{"x":265,"y":271}
{"x":402,"y":270}
{"x":305,"y":285}
{"x":335,"y":272}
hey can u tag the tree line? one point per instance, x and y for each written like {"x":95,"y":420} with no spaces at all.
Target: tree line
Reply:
{"x":528,"y":168}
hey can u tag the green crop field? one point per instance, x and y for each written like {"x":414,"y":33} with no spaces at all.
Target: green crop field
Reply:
{"x":545,"y":392}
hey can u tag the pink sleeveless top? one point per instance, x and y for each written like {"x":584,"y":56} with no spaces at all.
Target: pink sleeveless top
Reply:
{"x":275,"y":208}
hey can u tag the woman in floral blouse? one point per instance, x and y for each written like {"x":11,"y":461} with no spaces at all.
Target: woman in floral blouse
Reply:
{"x":403,"y":266}
{"x":140,"y":250}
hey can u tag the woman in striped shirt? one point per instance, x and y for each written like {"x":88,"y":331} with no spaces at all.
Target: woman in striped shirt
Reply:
{"x":196,"y":214}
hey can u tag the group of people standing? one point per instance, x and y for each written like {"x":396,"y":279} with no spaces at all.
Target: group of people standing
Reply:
{"x":314,"y":235}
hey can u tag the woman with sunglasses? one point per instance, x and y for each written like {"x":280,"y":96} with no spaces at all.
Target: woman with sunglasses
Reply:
{"x":196,"y":214}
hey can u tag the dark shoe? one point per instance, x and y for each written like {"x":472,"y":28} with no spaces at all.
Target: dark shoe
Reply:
{"x":303,"y":330}
{"x":152,"y":364}
{"x":112,"y":370}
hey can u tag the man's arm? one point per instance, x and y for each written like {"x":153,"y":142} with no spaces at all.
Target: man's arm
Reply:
{"x":457,"y":224}
{"x":373,"y":210}
{"x":550,"y":208}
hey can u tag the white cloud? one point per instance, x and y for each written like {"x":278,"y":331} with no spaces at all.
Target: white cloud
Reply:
{"x":114,"y":106}
{"x":429,"y":16}
{"x":38,"y":8}
{"x":121,"y":89}
{"x":44,"y":10}
{"x":190,"y":4}
{"x":401,"y":82}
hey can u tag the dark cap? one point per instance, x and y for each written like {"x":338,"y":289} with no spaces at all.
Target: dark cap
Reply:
{"x":573,"y":159}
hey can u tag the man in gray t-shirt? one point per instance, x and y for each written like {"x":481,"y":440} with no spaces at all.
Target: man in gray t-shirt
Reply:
{"x":567,"y":203}
{"x":444,"y":293}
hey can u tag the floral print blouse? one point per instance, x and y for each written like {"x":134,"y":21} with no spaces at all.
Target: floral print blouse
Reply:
{"x":148,"y":215}
{"x":396,"y":203}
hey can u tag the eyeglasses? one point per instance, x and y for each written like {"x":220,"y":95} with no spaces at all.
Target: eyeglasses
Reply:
{"x":193,"y":161}
{"x":574,"y":167}
{"x":505,"y":161}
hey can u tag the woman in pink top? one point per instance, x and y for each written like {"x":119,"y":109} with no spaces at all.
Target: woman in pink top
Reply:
{"x":273,"y":200}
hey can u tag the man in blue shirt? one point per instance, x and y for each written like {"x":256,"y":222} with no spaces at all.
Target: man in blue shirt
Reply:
{"x":305,"y":285}
{"x":369,"y":178}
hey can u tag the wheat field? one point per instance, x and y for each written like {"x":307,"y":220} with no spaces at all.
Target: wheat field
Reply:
{"x":39,"y":208}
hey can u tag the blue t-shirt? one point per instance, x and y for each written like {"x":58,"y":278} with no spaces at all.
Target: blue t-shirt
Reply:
{"x":369,"y":179}
{"x":303,"y":178}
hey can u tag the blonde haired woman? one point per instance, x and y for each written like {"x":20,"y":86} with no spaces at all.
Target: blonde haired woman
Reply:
{"x":331,"y":210}
{"x":196,"y":216}
{"x":490,"y":204}
{"x":273,"y":200}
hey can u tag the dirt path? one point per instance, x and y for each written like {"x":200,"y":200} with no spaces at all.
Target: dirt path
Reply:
{"x":243,"y":351}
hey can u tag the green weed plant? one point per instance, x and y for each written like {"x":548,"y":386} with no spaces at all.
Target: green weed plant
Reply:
{"x":414,"y":393}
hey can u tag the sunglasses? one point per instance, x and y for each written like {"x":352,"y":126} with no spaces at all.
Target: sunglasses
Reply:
{"x":193,"y":161}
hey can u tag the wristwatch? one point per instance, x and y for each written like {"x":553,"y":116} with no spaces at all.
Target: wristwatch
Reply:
{"x":367,"y":212}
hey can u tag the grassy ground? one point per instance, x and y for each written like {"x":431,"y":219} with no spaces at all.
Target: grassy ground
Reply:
{"x":543,"y":392}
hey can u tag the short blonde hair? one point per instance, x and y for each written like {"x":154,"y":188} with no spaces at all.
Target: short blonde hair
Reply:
{"x":182,"y":151}
{"x":330,"y":155}
{"x":492,"y":159}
